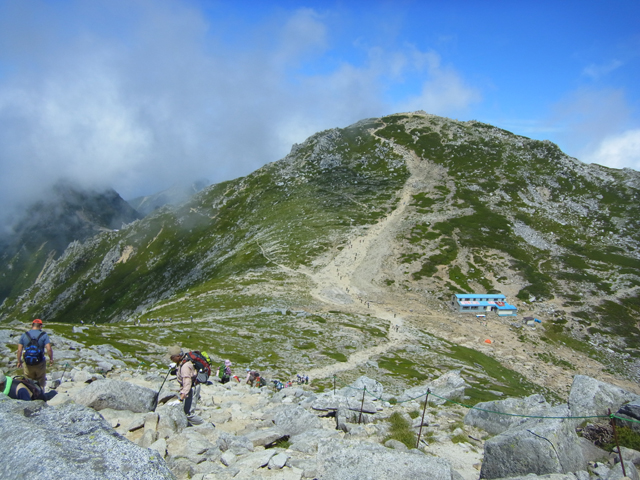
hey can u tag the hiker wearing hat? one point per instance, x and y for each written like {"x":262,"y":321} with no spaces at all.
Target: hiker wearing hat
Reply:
{"x":34,"y":343}
{"x":224,"y":372}
{"x":186,"y":374}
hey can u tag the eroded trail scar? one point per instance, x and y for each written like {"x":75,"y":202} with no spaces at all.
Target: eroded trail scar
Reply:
{"x":347,"y":281}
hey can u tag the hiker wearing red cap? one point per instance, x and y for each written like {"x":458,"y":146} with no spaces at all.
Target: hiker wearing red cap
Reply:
{"x":34,"y":343}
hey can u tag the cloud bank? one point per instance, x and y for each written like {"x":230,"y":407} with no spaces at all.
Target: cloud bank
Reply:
{"x":140,"y":95}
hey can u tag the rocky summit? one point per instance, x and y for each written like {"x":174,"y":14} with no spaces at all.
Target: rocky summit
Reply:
{"x":340,"y":262}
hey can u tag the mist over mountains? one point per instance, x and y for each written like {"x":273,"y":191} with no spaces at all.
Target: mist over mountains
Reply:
{"x":435,"y":206}
{"x":174,"y":195}
{"x":68,"y":213}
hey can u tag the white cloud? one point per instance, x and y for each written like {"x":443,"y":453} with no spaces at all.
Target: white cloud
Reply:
{"x":138,"y":95}
{"x":443,"y":91}
{"x":597,"y":71}
{"x":585,"y":117}
{"x":618,"y":151}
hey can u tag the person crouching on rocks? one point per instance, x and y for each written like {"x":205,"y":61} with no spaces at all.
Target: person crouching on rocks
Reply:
{"x":186,"y":373}
{"x":252,"y":377}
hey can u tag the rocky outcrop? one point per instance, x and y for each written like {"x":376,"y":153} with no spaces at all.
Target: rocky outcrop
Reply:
{"x":71,"y":442}
{"x":352,"y":460}
{"x":374,"y":388}
{"x":449,"y":386}
{"x":631,"y":411}
{"x":116,"y":394}
{"x":536,"y":446}
{"x":590,"y":397}
{"x":498,"y":416}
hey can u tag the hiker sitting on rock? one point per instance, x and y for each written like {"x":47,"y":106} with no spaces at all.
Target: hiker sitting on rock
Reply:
{"x":19,"y":389}
{"x":34,"y":343}
{"x":186,"y":374}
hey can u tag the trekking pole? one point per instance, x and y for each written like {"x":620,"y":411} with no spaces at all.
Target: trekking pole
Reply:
{"x":426,"y":400}
{"x":334,"y":385}
{"x":615,"y":436}
{"x":155,"y":402}
{"x":362,"y":404}
{"x":62,"y":376}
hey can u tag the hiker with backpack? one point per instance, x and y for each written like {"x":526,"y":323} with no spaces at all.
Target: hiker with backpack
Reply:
{"x":20,"y":388}
{"x":192,"y":369}
{"x":253,"y":377}
{"x":224,"y":372}
{"x":34,"y":343}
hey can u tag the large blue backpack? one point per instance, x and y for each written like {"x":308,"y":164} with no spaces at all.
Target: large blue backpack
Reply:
{"x":34,"y":353}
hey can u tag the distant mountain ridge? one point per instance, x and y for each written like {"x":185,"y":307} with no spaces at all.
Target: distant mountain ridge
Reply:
{"x":69,"y":213}
{"x":174,"y":195}
{"x":443,"y":206}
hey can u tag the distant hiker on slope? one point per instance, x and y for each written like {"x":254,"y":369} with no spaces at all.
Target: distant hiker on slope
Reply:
{"x":20,"y":388}
{"x":186,"y":374}
{"x":34,"y":342}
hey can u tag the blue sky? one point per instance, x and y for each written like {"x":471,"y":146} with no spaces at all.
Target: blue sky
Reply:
{"x":139,"y":94}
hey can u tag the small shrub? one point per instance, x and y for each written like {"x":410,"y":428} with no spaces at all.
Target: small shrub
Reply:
{"x":414,"y":414}
{"x":627,"y":438}
{"x":400,"y":430}
{"x":461,"y":438}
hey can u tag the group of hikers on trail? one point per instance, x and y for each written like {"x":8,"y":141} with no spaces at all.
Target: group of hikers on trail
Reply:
{"x":31,"y":350}
{"x":191,"y":368}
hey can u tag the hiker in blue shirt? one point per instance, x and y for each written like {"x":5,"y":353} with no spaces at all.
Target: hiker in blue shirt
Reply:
{"x":34,"y":343}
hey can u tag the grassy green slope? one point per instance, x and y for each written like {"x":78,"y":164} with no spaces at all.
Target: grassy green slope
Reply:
{"x":498,"y":182}
{"x":293,"y":209}
{"x":504,"y":210}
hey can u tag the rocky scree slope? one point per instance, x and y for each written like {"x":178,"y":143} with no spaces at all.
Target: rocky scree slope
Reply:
{"x":100,"y":424}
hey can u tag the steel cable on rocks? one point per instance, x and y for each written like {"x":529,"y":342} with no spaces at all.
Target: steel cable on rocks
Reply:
{"x":471,"y":407}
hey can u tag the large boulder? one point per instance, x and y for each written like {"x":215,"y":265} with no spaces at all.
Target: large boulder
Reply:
{"x":69,"y":441}
{"x":171,"y":419}
{"x":591,"y":397}
{"x":330,"y":402}
{"x":294,"y":420}
{"x":449,"y":386}
{"x":116,"y":394}
{"x":374,"y":388}
{"x":308,"y":441}
{"x":353,"y":460}
{"x":498,"y":416}
{"x":631,"y":411}
{"x":538,"y":446}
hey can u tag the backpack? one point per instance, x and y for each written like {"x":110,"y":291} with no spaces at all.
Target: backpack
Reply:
{"x":33,"y":353}
{"x":201,"y":364}
{"x":37,"y":393}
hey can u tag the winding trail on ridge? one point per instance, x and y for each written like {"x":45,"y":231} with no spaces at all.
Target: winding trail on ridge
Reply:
{"x":346,"y":282}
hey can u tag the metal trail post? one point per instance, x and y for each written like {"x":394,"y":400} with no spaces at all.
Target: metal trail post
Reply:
{"x":424,"y":409}
{"x":362,"y":405}
{"x":615,"y":436}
